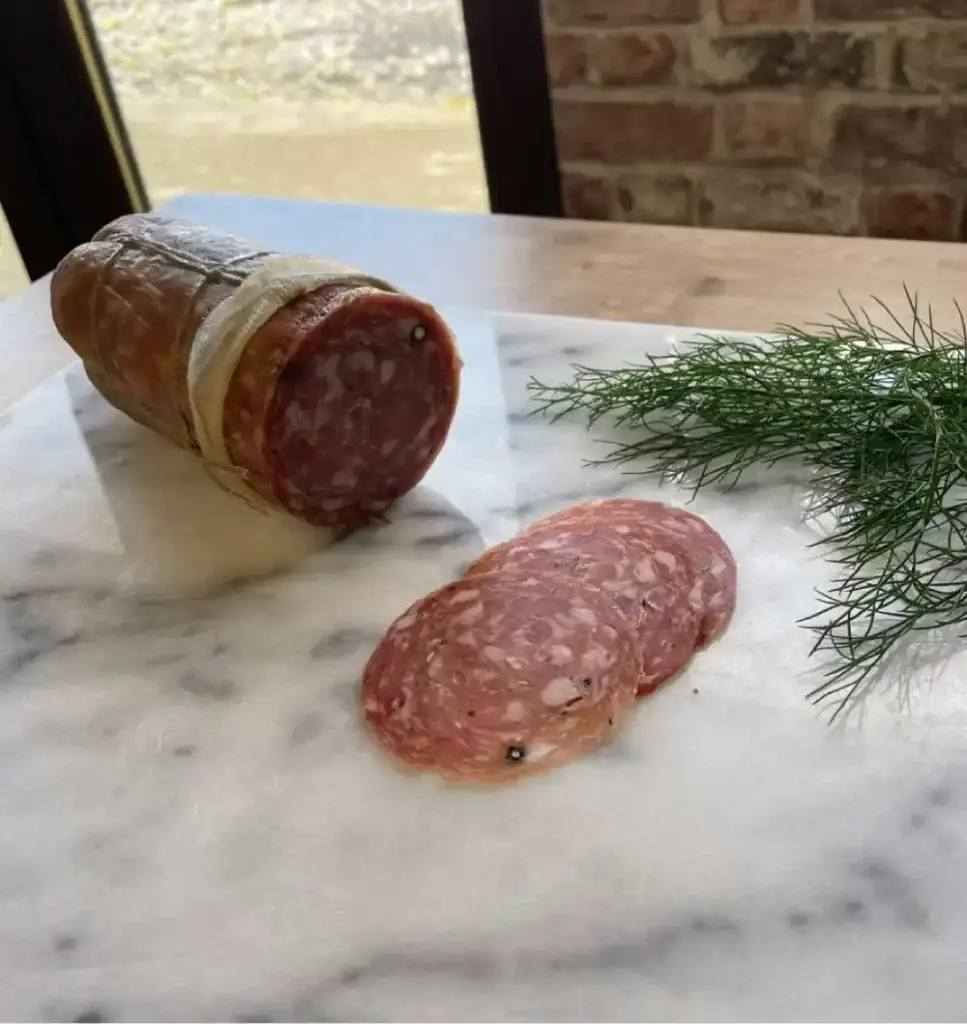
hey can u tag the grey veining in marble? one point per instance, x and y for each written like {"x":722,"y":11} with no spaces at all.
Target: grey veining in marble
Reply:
{"x":194,"y":824}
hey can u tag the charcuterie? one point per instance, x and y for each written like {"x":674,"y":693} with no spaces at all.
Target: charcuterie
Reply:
{"x":535,"y":656}
{"x":303,"y":384}
{"x":501,"y":674}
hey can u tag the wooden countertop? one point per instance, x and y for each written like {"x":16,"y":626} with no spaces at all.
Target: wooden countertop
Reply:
{"x":696,"y":277}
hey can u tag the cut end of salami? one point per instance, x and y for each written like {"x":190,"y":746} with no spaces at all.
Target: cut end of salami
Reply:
{"x":362,"y":407}
{"x":500,"y":675}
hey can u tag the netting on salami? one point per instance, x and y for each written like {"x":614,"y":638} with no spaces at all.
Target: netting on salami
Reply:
{"x":536,"y":656}
{"x":305,"y":385}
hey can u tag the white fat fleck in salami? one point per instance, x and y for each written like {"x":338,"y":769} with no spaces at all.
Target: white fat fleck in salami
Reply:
{"x":585,"y":615}
{"x":666,"y":558}
{"x":471,"y":615}
{"x":387,"y":369}
{"x":344,"y":478}
{"x":650,"y":592}
{"x":559,"y":691}
{"x":516,"y":711}
{"x":504,"y":697}
{"x":559,"y":654}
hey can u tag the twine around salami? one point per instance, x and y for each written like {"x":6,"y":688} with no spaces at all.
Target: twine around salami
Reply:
{"x":220,"y":341}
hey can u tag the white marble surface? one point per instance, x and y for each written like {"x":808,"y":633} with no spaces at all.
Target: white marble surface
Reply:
{"x":194,"y":824}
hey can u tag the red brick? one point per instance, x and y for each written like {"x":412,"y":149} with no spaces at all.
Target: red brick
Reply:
{"x":632,"y":58}
{"x":618,"y":13}
{"x":779,"y":59}
{"x":567,"y":58}
{"x":656,"y":198}
{"x":587,"y":196}
{"x":779,"y":201}
{"x":775,"y":129}
{"x":916,"y":214}
{"x":615,"y":132}
{"x":867,"y":140}
{"x":934,"y":62}
{"x":764,"y":12}
{"x":887,"y":10}
{"x":900,"y":141}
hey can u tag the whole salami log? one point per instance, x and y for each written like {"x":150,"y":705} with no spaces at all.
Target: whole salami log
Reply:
{"x":303,"y":384}
{"x":501,"y":674}
{"x":649,"y":584}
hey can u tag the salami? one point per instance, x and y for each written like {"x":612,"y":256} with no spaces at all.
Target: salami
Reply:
{"x":682,"y":535}
{"x":304,"y":385}
{"x":650,"y":585}
{"x":501,"y":674}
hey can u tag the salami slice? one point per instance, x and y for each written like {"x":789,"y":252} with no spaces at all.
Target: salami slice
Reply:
{"x":650,"y":586}
{"x":679,"y":533}
{"x":303,"y":384}
{"x":501,"y":674}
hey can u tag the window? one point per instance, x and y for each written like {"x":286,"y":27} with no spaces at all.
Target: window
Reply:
{"x":366,"y":101}
{"x":369,"y":101}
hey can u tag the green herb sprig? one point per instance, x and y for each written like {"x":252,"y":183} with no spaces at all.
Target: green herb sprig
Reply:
{"x":877,"y":413}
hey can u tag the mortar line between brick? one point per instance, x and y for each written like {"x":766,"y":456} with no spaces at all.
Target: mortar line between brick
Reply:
{"x":815,"y":27}
{"x":697,"y":96}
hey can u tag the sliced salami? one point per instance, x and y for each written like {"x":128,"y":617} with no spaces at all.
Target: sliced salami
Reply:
{"x":677,"y":532}
{"x":650,"y":586}
{"x":501,"y":674}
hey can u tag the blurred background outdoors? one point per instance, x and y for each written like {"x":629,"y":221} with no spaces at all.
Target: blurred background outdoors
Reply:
{"x":365,"y":101}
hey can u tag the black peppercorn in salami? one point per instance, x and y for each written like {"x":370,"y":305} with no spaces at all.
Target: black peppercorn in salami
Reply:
{"x":501,"y":674}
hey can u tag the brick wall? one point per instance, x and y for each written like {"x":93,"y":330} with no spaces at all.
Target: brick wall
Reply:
{"x":830,"y":116}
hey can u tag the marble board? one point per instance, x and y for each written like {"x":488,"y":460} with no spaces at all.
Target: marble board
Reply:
{"x":195,"y":825}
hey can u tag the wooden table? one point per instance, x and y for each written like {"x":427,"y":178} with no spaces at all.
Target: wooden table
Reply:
{"x":702,"y":278}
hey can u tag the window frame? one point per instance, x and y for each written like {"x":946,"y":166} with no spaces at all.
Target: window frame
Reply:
{"x":67,"y":166}
{"x":508,"y":62}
